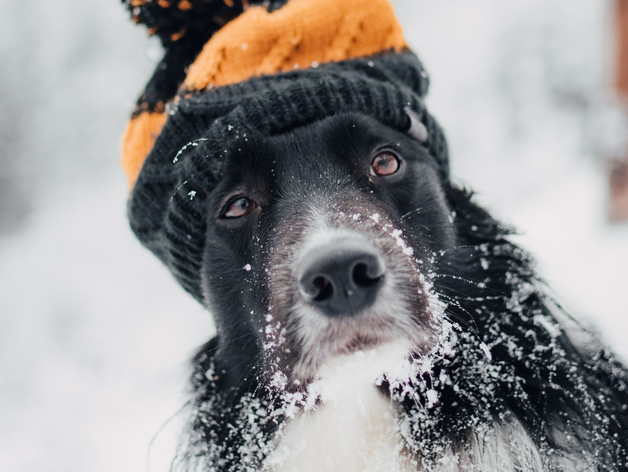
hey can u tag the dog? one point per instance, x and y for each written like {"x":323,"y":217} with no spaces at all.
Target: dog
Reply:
{"x":370,"y":315}
{"x":342,"y":238}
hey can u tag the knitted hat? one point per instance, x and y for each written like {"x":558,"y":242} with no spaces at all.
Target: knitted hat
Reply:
{"x":233,"y":67}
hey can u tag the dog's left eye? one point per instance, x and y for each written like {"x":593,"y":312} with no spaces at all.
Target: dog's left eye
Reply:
{"x":239,"y":207}
{"x":385,"y":163}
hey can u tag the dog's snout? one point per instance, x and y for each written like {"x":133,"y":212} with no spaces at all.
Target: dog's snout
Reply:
{"x":343,"y":277}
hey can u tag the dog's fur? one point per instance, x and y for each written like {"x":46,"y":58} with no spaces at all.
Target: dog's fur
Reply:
{"x":461,"y":363}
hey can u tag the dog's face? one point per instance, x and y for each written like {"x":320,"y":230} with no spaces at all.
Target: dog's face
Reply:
{"x":320,"y":242}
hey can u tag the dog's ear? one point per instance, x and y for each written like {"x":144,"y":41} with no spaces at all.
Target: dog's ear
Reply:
{"x":173,"y":20}
{"x":417,"y":129}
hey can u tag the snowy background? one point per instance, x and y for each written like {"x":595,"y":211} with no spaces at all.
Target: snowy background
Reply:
{"x":94,"y":333}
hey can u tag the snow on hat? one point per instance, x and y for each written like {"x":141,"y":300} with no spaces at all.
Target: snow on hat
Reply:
{"x":232,"y":67}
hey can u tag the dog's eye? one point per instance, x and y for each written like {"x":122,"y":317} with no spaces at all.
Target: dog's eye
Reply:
{"x":240,"y":207}
{"x":385,"y":163}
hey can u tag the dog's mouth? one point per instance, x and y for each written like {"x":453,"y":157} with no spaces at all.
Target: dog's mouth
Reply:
{"x":344,"y":338}
{"x":354,"y":295}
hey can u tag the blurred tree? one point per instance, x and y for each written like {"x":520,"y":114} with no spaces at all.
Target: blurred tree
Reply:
{"x":14,"y":203}
{"x":16,"y":101}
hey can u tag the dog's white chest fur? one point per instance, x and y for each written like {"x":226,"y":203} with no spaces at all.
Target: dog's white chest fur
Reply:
{"x":354,"y":429}
{"x":355,"y":432}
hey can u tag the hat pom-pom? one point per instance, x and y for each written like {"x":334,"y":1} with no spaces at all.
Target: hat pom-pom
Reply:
{"x":173,"y":20}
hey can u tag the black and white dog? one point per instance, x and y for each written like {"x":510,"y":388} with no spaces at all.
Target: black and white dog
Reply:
{"x":371,"y":317}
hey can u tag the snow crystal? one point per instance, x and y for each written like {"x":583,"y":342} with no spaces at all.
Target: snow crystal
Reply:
{"x":407,"y":250}
{"x":184,"y":148}
{"x":432,"y":398}
{"x":486,"y":351}
{"x":548,"y":324}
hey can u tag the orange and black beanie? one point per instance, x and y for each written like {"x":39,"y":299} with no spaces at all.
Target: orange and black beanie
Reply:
{"x":264,"y":67}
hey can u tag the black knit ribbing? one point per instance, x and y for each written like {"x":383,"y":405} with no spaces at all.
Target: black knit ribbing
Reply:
{"x":167,"y":208}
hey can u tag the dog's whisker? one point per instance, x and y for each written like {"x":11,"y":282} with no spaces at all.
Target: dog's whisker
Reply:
{"x":181,"y":410}
{"x":455,"y":294}
{"x":248,"y":336}
{"x":457,"y":304}
{"x":410,"y":213}
{"x":481,"y":285}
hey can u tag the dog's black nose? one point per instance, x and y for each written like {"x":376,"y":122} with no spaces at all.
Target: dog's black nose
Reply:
{"x":343,"y":277}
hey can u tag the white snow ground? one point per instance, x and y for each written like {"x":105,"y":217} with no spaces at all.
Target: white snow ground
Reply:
{"x":94,"y":333}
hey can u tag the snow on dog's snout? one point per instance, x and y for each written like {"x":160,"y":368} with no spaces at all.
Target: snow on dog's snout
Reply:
{"x":344,"y":280}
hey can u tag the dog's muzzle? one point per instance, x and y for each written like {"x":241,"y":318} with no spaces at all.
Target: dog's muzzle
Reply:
{"x":342,"y":279}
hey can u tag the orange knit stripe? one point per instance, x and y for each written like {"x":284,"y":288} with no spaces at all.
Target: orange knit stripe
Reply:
{"x":301,"y":34}
{"x":185,"y":5}
{"x":139,"y":139}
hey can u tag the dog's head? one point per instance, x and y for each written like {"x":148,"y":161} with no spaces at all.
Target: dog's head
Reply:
{"x":320,"y":242}
{"x":275,"y":170}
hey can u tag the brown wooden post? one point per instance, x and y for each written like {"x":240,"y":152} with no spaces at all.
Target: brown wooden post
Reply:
{"x":618,"y":210}
{"x":622,"y":47}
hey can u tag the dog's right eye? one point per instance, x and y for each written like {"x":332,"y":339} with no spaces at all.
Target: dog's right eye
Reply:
{"x":238,"y":208}
{"x":384,"y":164}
